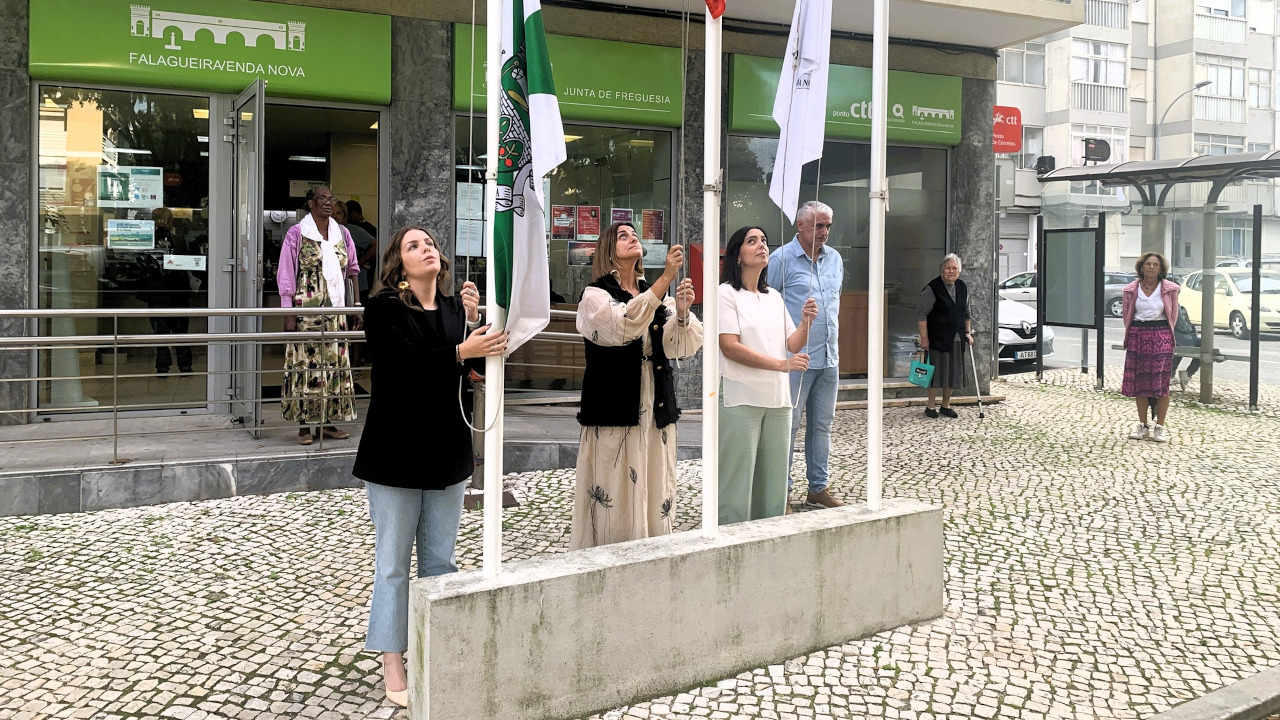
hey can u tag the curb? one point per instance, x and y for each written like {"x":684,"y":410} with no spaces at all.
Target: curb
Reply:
{"x":1253,"y":698}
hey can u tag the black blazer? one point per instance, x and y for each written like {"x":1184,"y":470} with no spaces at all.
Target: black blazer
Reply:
{"x":414,"y":435}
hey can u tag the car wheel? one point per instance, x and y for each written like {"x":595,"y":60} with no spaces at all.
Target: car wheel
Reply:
{"x":1116,"y":308}
{"x":1239,"y":328}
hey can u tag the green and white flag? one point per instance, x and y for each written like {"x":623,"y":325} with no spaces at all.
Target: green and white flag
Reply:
{"x":530,"y":145}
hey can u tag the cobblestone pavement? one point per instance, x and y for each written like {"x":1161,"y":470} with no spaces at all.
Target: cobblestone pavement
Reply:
{"x":1088,"y":576}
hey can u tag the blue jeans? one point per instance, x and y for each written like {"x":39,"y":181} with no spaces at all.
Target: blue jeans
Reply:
{"x":400,"y":517}
{"x":817,"y":401}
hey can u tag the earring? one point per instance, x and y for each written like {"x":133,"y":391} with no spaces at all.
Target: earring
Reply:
{"x":402,"y":285}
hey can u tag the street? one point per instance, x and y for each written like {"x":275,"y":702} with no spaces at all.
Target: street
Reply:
{"x":1066,"y":353}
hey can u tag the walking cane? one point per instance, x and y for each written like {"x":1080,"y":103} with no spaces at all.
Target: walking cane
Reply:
{"x":976,"y":386}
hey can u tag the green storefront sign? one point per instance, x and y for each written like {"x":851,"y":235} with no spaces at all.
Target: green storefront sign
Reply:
{"x":596,"y":80}
{"x":922,"y":108}
{"x":215,"y":46}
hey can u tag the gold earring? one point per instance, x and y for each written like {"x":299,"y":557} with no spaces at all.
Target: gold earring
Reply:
{"x":402,"y":285}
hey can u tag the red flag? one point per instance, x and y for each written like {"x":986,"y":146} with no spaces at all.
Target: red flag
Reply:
{"x":716,"y":7}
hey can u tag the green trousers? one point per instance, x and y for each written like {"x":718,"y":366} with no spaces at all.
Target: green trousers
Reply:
{"x":754,"y":450}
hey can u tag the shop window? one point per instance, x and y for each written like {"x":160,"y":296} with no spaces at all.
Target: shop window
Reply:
{"x":124,"y":223}
{"x":917,"y":227}
{"x":611,"y":174}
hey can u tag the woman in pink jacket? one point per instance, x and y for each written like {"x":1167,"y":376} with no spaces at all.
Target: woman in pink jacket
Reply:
{"x":1150,"y":311}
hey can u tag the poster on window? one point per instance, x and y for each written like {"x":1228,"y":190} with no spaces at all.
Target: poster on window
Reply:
{"x":130,"y":187}
{"x":470,"y":238}
{"x":651,"y":222}
{"x":588,"y":222}
{"x":470,"y":201}
{"x":626,"y":215}
{"x":131,"y":234}
{"x":655,"y":254}
{"x":581,"y":252}
{"x":562,"y":222}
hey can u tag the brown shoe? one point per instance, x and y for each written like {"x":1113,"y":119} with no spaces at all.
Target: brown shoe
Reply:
{"x":335,"y":434}
{"x":825,"y":499}
{"x":304,"y":438}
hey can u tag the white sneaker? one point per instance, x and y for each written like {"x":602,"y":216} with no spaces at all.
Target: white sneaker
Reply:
{"x":1140,"y":432}
{"x":1183,"y":379}
{"x":1159,"y":435}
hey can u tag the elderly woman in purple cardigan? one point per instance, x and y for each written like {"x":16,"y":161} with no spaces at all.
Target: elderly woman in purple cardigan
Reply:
{"x":316,"y":264}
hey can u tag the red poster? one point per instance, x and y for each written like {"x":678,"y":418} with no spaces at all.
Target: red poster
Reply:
{"x":1006,"y":133}
{"x":588,"y":222}
{"x":651,"y":221}
{"x":562,"y":222}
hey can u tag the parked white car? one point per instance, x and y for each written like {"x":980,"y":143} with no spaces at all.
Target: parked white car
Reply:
{"x":1018,"y":332}
{"x":1232,"y":302}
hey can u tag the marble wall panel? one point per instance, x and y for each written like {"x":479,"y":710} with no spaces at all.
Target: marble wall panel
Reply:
{"x":15,"y":196}
{"x":59,"y":493}
{"x":19,"y":496}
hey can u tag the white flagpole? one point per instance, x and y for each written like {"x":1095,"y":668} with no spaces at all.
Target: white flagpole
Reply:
{"x":493,"y":369}
{"x":875,"y":280}
{"x":711,"y":173}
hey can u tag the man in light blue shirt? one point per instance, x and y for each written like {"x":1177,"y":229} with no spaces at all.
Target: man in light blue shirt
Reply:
{"x":801,"y":269}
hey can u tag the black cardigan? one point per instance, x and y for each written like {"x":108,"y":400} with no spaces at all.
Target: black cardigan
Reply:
{"x":414,"y":435}
{"x":947,"y":318}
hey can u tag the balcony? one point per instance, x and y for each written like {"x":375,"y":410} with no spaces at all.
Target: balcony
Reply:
{"x":1107,"y":13}
{"x":1221,"y":29}
{"x":1220,"y":109}
{"x":1103,"y":98}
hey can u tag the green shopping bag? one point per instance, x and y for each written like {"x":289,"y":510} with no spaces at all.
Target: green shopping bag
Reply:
{"x":921,"y":372}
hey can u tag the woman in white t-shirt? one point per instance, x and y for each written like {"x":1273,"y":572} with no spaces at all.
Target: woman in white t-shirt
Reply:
{"x":757,"y":339}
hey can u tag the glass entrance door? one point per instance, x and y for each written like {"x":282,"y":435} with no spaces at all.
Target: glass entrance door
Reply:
{"x":247,"y":118}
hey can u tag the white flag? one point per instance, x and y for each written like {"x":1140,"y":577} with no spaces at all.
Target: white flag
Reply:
{"x":530,"y":145}
{"x":800,"y":107}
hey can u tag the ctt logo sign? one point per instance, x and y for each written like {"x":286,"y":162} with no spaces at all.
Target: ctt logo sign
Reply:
{"x":1006,"y":132}
{"x":300,"y":51}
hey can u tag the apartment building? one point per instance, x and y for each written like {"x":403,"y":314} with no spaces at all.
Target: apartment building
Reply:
{"x":1154,"y":79}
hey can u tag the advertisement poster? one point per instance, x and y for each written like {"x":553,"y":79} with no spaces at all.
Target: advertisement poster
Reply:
{"x":470,"y":238}
{"x":184,"y":262}
{"x":588,"y":222}
{"x":581,"y":253}
{"x":131,"y":234}
{"x":470,"y":202}
{"x":618,"y":215}
{"x":562,"y":222}
{"x":130,"y":187}
{"x":652,"y":229}
{"x":655,"y":254}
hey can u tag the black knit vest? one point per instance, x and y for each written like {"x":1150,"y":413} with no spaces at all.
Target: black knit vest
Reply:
{"x":611,"y":381}
{"x":946,"y":319}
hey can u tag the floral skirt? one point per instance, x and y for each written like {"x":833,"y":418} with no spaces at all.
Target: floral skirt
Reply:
{"x":318,"y":387}
{"x":1148,"y":361}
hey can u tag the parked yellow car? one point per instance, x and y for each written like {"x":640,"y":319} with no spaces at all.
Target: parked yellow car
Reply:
{"x":1233,"y":288}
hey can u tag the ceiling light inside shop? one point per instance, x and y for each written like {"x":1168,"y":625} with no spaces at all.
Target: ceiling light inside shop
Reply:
{"x":129,"y":151}
{"x":374,"y":126}
{"x":308,"y":158}
{"x":640,"y":143}
{"x":200,"y":113}
{"x":202,"y":138}
{"x":571,"y":138}
{"x":204,"y":153}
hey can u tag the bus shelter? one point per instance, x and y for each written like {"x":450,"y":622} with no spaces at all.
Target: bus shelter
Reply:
{"x":1154,"y":182}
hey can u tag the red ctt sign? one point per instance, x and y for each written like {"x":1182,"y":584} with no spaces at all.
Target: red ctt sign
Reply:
{"x":1006,"y":133}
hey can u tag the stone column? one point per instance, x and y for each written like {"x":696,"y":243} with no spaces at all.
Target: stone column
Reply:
{"x":973,"y":215}
{"x":421,"y":177}
{"x":15,"y":200}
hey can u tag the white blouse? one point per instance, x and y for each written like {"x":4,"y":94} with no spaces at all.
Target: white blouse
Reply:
{"x":762,"y":323}
{"x":1149,"y":307}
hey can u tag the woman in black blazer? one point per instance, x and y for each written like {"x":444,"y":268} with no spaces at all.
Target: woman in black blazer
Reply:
{"x":415,"y":452}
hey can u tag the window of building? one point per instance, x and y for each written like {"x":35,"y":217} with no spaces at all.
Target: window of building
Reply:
{"x":124,"y":202}
{"x":1223,"y":8}
{"x":1022,"y":63}
{"x":1234,"y":235}
{"x":1097,"y":62}
{"x":1226,"y":73}
{"x":1117,"y":137}
{"x":1206,"y":144}
{"x":1259,"y":88}
{"x":917,"y":178}
{"x":1032,"y":148}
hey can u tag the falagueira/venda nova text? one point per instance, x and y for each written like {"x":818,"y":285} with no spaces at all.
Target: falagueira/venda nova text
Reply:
{"x":231,"y":66}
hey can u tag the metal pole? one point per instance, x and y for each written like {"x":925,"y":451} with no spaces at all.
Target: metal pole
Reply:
{"x":494,"y":382}
{"x":1040,"y":300}
{"x":1099,"y":282}
{"x":1209,"y":257}
{"x":875,"y":269}
{"x":115,"y":390}
{"x":711,"y":175}
{"x":1256,"y":308}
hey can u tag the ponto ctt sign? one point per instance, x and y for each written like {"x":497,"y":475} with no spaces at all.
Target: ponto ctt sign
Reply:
{"x":1006,"y":133}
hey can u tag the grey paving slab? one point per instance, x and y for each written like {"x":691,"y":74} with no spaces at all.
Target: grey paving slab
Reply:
{"x":1088,"y":576}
